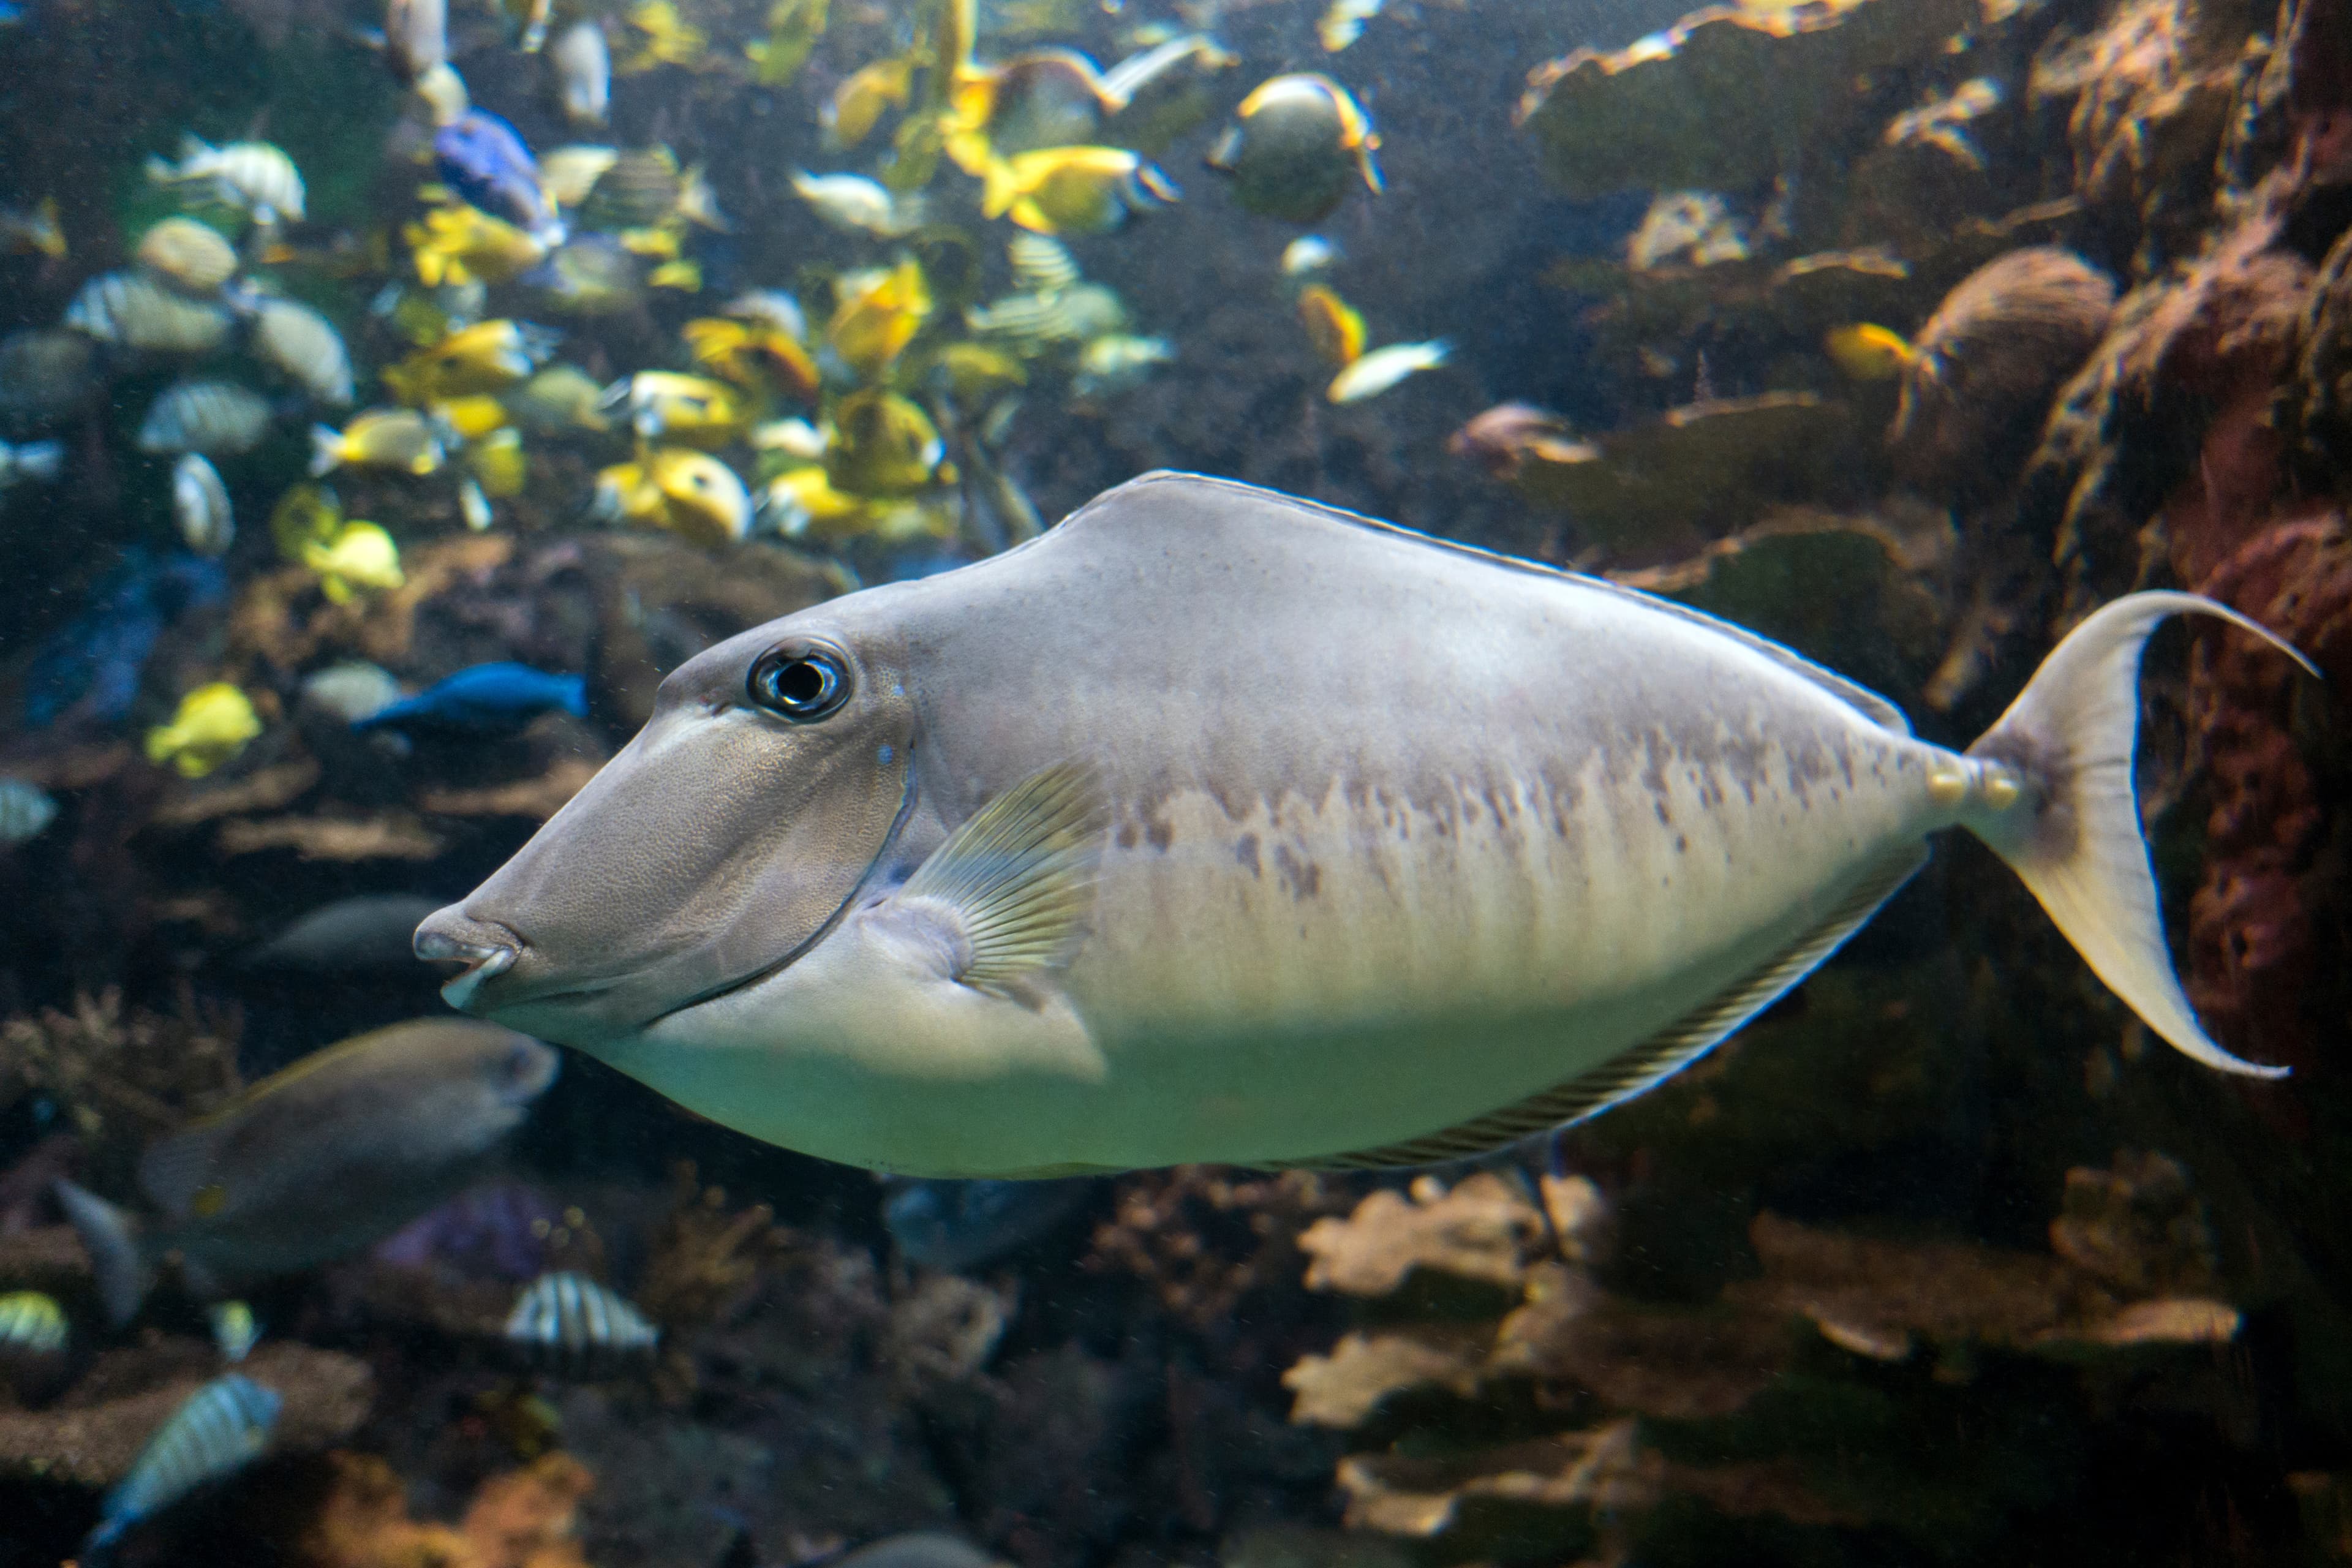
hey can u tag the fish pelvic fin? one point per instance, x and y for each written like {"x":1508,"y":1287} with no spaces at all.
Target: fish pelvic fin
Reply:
{"x":1020,"y":876}
{"x":2059,"y":807}
{"x":1642,"y":1067}
{"x":125,"y":1272}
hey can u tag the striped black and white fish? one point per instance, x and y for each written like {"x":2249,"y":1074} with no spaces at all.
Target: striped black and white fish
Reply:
{"x":573,"y":1324}
{"x":220,"y":1429}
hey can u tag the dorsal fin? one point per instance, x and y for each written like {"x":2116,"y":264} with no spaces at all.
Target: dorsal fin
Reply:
{"x":1653,"y":1061}
{"x":1869,"y":704}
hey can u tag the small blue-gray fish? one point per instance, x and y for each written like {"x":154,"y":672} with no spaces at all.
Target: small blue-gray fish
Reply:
{"x":224,"y":1427}
{"x":40,"y":460}
{"x":304,"y":346}
{"x":253,"y":176}
{"x":217,"y":418}
{"x":315,"y":1161}
{"x":576,"y":1325}
{"x":957,"y":1226}
{"x":200,"y":506}
{"x":25,"y":811}
{"x":367,"y":933}
{"x":134,"y":310}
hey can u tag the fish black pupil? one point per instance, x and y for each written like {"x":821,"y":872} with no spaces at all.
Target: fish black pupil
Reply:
{"x":801,"y":686}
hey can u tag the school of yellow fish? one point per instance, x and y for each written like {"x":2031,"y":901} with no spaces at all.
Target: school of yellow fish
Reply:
{"x":864,"y":410}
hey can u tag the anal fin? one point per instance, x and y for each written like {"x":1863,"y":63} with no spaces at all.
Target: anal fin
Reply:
{"x":1644,"y":1066}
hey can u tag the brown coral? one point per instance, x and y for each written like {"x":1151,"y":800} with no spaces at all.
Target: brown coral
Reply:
{"x":122,"y":1075}
{"x":524,"y":1519}
{"x":1204,"y":1237}
{"x":1988,"y":360}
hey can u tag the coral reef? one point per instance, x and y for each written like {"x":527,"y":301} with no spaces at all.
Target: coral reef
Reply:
{"x":525,"y":1519}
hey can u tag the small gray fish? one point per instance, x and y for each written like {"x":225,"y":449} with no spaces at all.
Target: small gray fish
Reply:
{"x":315,"y":1161}
{"x":254,"y":176}
{"x":583,"y":73}
{"x":349,"y":691}
{"x":189,"y":255}
{"x":416,"y":37}
{"x":25,"y":811}
{"x":578,"y":1325}
{"x":200,"y":505}
{"x":365,"y":934}
{"x":1041,"y":264}
{"x":223,"y":1426}
{"x":305,"y":347}
{"x":136,"y":311}
{"x":41,"y":460}
{"x":217,"y":418}
{"x":958,"y":1226}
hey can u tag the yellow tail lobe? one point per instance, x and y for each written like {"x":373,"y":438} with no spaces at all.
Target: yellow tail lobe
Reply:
{"x":2072,"y":830}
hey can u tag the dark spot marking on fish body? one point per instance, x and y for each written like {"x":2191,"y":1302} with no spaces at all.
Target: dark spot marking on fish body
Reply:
{"x":1682,"y":843}
{"x":1301,"y":878}
{"x":1666,"y":818}
{"x":1245,"y":852}
{"x":1127,"y":836}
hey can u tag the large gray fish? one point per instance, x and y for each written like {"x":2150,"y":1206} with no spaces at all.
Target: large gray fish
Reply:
{"x":318,"y":1161}
{"x":1217,"y":825}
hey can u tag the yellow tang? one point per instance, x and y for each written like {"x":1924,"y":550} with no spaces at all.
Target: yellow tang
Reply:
{"x":462,"y":244}
{"x":883,"y":445}
{"x":793,"y":28}
{"x":689,"y":494}
{"x":753,"y":356}
{"x":1072,"y":190}
{"x":858,"y":104}
{"x":973,"y":371}
{"x":304,"y":513}
{"x":470,"y":417}
{"x":664,"y":39}
{"x":665,"y":405}
{"x":488,"y":356}
{"x":878,"y":316}
{"x":213,"y":724}
{"x":1865,"y":351}
{"x":359,"y":555}
{"x":380,"y":438}
{"x":499,"y":464}
{"x":1335,"y":327}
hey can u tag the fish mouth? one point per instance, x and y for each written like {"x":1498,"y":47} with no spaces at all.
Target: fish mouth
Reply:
{"x":485,"y":949}
{"x":801,"y":949}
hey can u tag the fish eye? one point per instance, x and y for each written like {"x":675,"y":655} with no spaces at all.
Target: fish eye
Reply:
{"x":800,"y":683}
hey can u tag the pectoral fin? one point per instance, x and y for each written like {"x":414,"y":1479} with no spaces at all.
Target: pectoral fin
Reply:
{"x":1018,"y":878}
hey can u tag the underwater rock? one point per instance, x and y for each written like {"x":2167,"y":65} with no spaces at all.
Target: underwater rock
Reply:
{"x":91,"y":1435}
{"x":1728,"y":96}
{"x":1854,"y":593}
{"x":2265,"y":961}
{"x":943,"y":1333}
{"x":1548,"y":1499}
{"x":2153,"y":90}
{"x":536,"y":799}
{"x":391,"y":835}
{"x":1700,"y":470}
{"x":2139,"y":1228}
{"x":1986,"y":363}
{"x":521,"y":1519}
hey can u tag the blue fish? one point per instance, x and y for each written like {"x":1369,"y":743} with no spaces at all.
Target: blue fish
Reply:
{"x":964,"y":1225}
{"x":90,"y":667}
{"x":483,"y":700}
{"x":485,"y":161}
{"x":220,"y":1429}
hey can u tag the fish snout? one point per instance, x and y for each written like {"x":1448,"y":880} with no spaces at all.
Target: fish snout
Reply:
{"x":487,"y":949}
